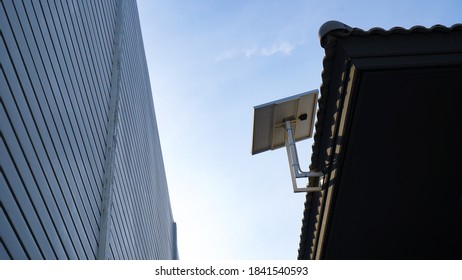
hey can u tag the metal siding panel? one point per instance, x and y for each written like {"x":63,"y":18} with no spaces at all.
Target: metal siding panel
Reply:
{"x":92,"y":58}
{"x":96,"y":40}
{"x":42,"y":183}
{"x":9,"y":239}
{"x":102,"y":13}
{"x":93,"y":113}
{"x":40,"y":125}
{"x":140,"y":192}
{"x":35,"y":91}
{"x":24,"y":197}
{"x":18,"y":87}
{"x":45,"y":78}
{"x":62,"y":105}
{"x":99,"y":82}
{"x":16,"y":221}
{"x":99,"y":111}
{"x":4,"y":255}
{"x":64,"y":61}
{"x":83,"y":161}
{"x":45,"y":230}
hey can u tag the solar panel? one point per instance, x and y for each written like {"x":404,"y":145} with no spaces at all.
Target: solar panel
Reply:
{"x":269,"y":119}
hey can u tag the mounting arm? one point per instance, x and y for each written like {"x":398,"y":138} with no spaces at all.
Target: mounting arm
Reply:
{"x":295,"y":170}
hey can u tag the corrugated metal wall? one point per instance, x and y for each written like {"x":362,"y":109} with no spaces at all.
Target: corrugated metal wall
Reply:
{"x":55,"y":80}
{"x":141,"y":216}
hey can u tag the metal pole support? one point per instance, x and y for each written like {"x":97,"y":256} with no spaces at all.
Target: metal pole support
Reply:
{"x":295,"y":170}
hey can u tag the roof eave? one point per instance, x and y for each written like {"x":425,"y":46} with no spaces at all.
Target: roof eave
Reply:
{"x":329,"y":34}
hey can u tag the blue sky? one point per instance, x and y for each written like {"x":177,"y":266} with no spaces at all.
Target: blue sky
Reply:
{"x":210,"y":62}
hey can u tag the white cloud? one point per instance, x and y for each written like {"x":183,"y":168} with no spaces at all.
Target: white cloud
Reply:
{"x":250,"y":51}
{"x":226,"y":55}
{"x":284,"y":48}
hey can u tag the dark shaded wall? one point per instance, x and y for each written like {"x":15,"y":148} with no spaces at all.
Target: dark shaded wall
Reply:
{"x":55,"y":80}
{"x":399,"y":194}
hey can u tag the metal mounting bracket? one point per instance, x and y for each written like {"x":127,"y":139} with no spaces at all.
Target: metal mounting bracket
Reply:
{"x":295,"y":170}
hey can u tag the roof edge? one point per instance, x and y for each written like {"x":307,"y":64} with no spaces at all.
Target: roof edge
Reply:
{"x":328,"y":33}
{"x":331,"y":26}
{"x":338,"y":29}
